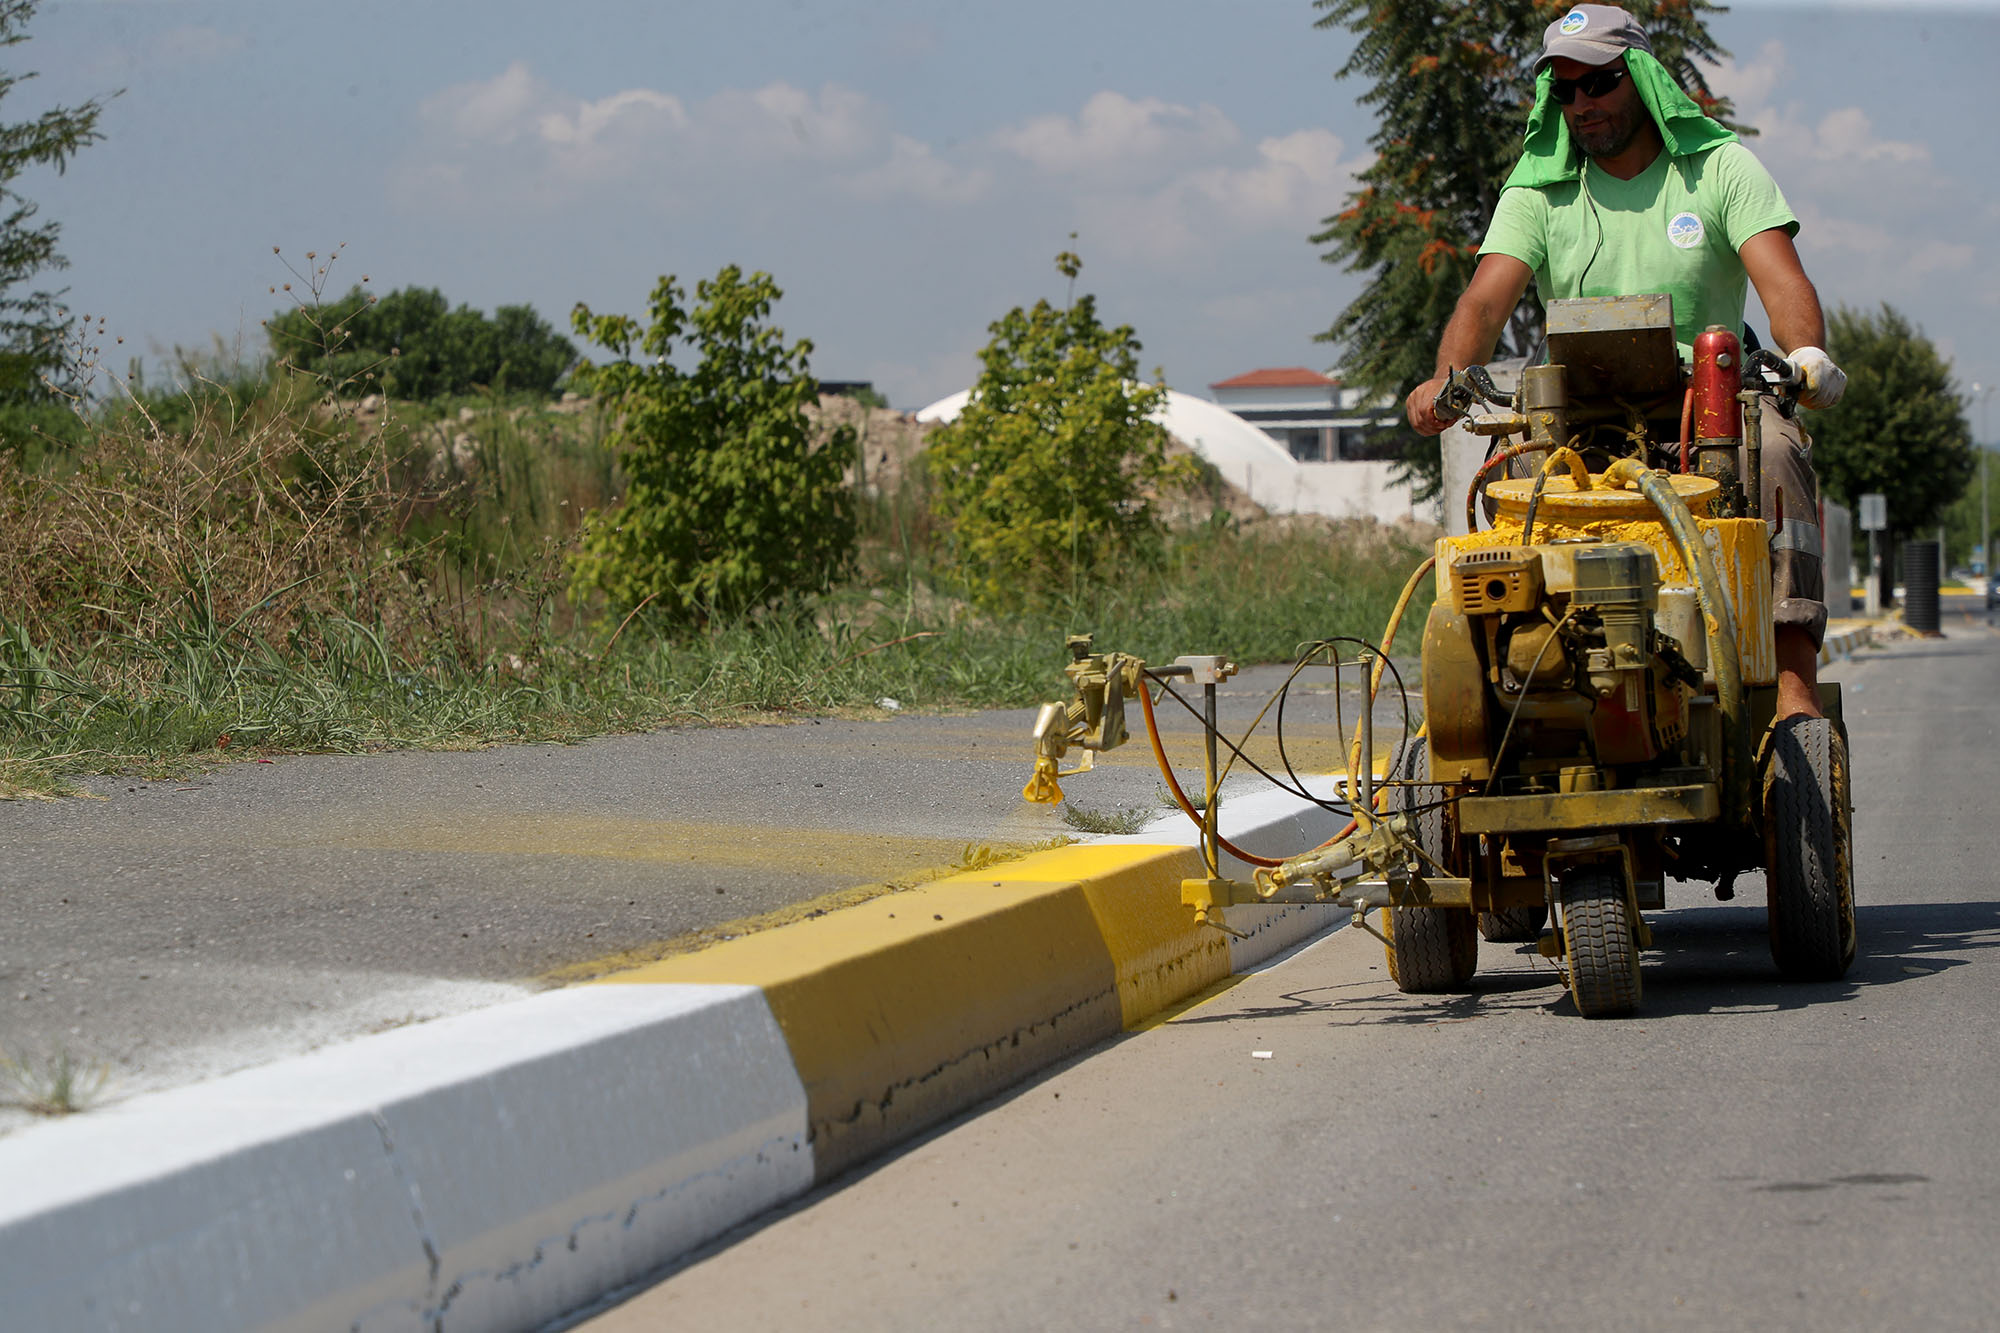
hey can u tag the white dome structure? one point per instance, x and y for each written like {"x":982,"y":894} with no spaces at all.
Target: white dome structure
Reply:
{"x":1257,"y":464}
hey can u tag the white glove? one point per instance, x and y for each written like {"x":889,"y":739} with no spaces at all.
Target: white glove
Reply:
{"x":1820,"y":381}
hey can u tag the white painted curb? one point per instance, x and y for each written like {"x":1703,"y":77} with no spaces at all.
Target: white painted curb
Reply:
{"x":491,"y":1171}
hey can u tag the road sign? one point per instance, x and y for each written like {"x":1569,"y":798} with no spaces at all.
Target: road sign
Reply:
{"x":1874,"y":513}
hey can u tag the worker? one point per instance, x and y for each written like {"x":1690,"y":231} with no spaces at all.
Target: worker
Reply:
{"x":1625,"y":188}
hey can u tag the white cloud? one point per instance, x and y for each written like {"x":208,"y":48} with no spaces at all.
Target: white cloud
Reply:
{"x":1751,"y":82}
{"x":914,"y":170}
{"x":1159,"y":180}
{"x":518,"y":127}
{"x":1876,"y":214}
{"x":500,"y":110}
{"x":1285,"y":188}
{"x":1117,"y":133}
{"x":1890,"y":249}
{"x":1298,"y":177}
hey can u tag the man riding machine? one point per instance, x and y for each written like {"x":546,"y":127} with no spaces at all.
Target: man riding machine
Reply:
{"x":1620,"y":672}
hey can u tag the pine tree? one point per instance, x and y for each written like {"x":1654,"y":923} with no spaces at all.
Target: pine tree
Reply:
{"x":1452,"y":85}
{"x":32,"y":322}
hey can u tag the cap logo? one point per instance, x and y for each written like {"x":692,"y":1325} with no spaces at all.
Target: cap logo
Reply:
{"x":1684,"y":230}
{"x":1573,"y":23}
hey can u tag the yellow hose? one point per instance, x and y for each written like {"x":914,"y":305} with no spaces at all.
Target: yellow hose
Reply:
{"x":1382,"y":662}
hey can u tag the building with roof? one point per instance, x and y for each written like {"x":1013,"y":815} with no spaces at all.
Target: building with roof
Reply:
{"x":1258,"y":463}
{"x":1316,"y":417}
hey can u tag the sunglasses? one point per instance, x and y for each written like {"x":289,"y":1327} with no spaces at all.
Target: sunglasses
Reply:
{"x":1594,"y":84}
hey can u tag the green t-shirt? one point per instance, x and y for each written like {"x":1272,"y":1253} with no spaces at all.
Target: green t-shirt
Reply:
{"x":1673,"y":228}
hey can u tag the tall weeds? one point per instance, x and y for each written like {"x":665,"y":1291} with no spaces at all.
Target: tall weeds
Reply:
{"x":259,"y":566}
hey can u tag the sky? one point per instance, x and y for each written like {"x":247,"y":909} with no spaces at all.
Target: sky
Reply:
{"x":906,"y":169}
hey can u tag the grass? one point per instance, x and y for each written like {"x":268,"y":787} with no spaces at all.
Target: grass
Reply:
{"x":57,"y":1085}
{"x":268,"y":570}
{"x":1107,"y":821}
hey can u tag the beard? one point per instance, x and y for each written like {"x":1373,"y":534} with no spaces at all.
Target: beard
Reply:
{"x":1611,"y":138}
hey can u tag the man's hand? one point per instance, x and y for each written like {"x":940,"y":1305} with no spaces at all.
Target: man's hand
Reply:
{"x":1821,"y":383}
{"x":1421,"y":407}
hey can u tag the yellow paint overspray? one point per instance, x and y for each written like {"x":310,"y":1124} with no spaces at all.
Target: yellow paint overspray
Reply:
{"x":1741,"y":547}
{"x":855,"y":856}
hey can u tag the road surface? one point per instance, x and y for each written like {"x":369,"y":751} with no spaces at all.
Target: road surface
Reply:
{"x":177,"y":930}
{"x":1744,"y":1153}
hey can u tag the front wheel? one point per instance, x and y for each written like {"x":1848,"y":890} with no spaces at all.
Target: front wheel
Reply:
{"x":1600,"y":938}
{"x":1809,"y":831}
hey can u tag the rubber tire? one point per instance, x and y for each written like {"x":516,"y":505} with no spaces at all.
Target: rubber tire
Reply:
{"x":1810,"y":841}
{"x":1598,"y":937}
{"x":1514,"y":925}
{"x":1430,"y":949}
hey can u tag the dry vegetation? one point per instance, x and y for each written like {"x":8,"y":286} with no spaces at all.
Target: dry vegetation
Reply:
{"x":254,"y":568}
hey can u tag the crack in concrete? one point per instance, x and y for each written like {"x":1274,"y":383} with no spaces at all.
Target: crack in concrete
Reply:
{"x":433,"y":1316}
{"x":824,"y":1128}
{"x":415,"y":1192}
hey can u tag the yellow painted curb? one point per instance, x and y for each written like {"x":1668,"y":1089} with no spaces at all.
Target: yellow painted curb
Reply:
{"x":1134,"y":893}
{"x":910,"y":1007}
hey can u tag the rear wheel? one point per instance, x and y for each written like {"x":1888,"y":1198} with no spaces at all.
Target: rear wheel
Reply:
{"x":1600,"y":941}
{"x":1514,"y":925}
{"x":1430,"y":949}
{"x":1810,"y":842}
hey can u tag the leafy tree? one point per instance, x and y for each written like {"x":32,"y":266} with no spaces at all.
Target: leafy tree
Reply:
{"x":1045,"y":477}
{"x":418,"y":347}
{"x":33,"y":323}
{"x":729,"y":505}
{"x":1900,"y":429}
{"x":1452,"y":85}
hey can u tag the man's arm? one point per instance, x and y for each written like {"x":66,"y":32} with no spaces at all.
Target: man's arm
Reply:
{"x":1474,"y":331}
{"x":1798,"y":325}
{"x":1772,"y":262}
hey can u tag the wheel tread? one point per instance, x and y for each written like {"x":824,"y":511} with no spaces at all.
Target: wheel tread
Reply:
{"x":1430,"y":949}
{"x":1810,"y":876}
{"x":1603,"y":953}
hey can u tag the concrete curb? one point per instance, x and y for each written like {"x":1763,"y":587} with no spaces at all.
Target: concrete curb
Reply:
{"x":1843,"y":640}
{"x":498,"y":1169}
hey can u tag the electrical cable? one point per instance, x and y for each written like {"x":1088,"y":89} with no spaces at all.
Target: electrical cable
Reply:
{"x":1402,"y":691}
{"x":1236,"y":753}
{"x":1180,"y":797}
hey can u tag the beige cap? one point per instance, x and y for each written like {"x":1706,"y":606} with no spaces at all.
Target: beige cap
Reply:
{"x":1593,"y":35}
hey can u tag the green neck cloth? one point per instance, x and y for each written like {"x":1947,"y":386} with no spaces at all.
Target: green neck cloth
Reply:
{"x":1548,"y":156}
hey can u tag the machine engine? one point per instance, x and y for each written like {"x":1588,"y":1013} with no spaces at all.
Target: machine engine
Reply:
{"x":1554,"y":660}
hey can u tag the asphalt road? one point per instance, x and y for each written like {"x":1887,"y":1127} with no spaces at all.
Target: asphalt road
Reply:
{"x":1743,"y":1154}
{"x":177,"y":930}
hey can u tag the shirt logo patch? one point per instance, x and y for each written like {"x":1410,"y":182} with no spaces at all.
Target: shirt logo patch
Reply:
{"x":1574,"y":22}
{"x":1685,"y":230}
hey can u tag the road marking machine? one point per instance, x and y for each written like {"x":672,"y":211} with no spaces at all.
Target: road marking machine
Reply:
{"x":1598,"y":689}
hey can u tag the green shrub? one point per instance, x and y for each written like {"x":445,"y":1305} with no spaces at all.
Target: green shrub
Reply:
{"x":729,"y":505}
{"x":411,"y":344}
{"x":1046,"y":478}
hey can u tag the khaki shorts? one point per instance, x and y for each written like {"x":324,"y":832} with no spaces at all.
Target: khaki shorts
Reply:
{"x":1798,"y":556}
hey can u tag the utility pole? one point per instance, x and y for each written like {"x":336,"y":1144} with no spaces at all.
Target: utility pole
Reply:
{"x":1980,"y":394}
